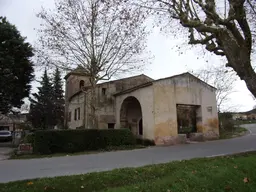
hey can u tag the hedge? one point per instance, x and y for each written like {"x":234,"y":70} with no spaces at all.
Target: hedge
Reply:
{"x":29,"y":138}
{"x":145,"y":142}
{"x":62,"y":141}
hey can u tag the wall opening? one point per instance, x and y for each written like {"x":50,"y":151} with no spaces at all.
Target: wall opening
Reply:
{"x":111,"y":125}
{"x":4,"y":128}
{"x":103,"y":91}
{"x":81,"y":84}
{"x":140,"y":127}
{"x":187,"y":118}
{"x":131,"y":115}
{"x":69,"y":116}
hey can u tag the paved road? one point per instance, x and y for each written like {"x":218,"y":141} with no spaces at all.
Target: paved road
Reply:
{"x":11,"y":170}
{"x":4,"y":151}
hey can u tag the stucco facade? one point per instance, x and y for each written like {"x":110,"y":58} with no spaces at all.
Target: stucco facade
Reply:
{"x":158,"y":110}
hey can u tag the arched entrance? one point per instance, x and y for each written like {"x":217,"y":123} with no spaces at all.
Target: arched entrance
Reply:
{"x":131,"y":115}
{"x":140,"y":127}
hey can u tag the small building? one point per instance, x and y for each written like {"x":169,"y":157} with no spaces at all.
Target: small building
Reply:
{"x":251,"y":116}
{"x":239,"y":116}
{"x":159,"y":110}
{"x":12,"y":122}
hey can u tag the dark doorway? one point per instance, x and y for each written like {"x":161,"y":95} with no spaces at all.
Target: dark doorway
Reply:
{"x":140,"y":127}
{"x":131,"y":114}
{"x":4,"y":128}
{"x":186,"y":117}
{"x":111,"y":125}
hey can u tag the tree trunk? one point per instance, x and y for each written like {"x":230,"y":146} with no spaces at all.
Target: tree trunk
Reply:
{"x":93,"y":104}
{"x":239,"y":58}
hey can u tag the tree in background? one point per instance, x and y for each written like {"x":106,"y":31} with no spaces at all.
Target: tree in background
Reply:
{"x":225,"y":28}
{"x":105,"y":38}
{"x":42,"y":106}
{"x":223,"y":80}
{"x":58,"y":99}
{"x":16,"y":67}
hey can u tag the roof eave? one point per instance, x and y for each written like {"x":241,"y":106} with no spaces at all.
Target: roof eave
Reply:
{"x":133,"y":88}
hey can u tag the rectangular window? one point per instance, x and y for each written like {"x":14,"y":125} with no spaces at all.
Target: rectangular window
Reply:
{"x":78,"y":113}
{"x":75,"y":115}
{"x":111,"y":125}
{"x":4,"y":128}
{"x":69,"y":116}
{"x":103,"y":91}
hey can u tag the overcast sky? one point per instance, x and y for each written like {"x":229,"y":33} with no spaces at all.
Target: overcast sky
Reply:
{"x":167,"y":61}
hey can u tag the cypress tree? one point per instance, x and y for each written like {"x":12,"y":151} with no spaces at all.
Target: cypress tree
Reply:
{"x":58,"y":99}
{"x":42,"y":105}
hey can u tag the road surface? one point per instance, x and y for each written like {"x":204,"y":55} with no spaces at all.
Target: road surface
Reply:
{"x":4,"y":151}
{"x":12,"y":170}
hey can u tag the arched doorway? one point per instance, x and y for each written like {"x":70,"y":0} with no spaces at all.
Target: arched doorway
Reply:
{"x":131,"y":115}
{"x":140,"y":127}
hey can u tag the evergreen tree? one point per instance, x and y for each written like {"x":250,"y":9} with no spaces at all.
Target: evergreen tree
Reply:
{"x":41,"y":109}
{"x":58,"y":99}
{"x":16,"y":67}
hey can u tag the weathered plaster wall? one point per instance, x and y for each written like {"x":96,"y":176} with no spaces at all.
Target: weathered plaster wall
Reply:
{"x":164,"y":111}
{"x":158,"y":105}
{"x":105,"y":111}
{"x":210,"y":121}
{"x":105,"y":105}
{"x":182,"y":90}
{"x":145,"y":97}
{"x":77,"y":101}
{"x":72,"y":86}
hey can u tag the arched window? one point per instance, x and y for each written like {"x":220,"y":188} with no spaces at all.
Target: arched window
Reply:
{"x":81,"y":84}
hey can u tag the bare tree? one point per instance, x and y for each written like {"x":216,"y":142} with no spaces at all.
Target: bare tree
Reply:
{"x":104,"y":38}
{"x":223,"y":27}
{"x":222,"y":79}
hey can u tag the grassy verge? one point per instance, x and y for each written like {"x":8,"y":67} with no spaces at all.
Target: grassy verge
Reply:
{"x":13,"y":155}
{"x":235,"y":132}
{"x":230,"y":173}
{"x":242,"y":122}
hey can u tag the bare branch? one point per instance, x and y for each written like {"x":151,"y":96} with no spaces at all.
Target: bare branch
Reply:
{"x":220,"y":78}
{"x":102,"y":37}
{"x":225,"y":31}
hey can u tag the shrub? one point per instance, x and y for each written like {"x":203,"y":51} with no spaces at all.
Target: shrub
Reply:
{"x":62,"y":141}
{"x":145,"y":142}
{"x":226,"y":122}
{"x":29,"y":138}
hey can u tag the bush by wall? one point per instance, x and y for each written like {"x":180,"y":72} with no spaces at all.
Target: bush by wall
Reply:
{"x":226,"y":122}
{"x":62,"y":141}
{"x":145,"y":142}
{"x":29,"y":138}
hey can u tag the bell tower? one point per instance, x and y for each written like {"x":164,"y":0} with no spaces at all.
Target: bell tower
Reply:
{"x":74,"y":81}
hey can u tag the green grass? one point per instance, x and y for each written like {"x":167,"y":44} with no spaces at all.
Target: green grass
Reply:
{"x":13,"y":155}
{"x":205,"y":174}
{"x":243,"y":122}
{"x":236,"y":132}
